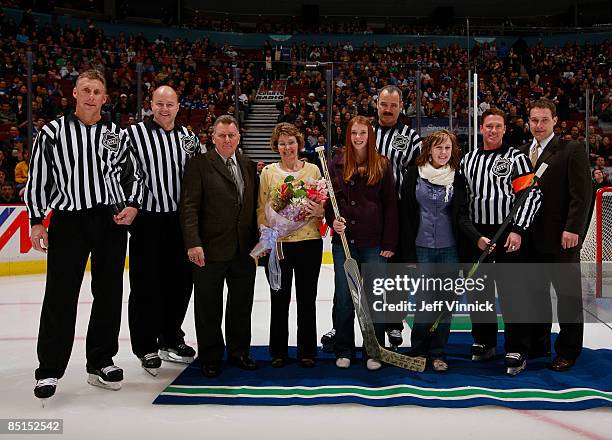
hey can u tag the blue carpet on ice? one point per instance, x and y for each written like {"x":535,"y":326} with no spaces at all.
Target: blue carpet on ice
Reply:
{"x":466,"y":384}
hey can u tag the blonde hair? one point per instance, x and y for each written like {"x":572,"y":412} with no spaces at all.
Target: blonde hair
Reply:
{"x":92,"y":74}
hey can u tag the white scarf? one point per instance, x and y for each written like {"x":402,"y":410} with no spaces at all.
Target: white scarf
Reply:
{"x":444,"y":176}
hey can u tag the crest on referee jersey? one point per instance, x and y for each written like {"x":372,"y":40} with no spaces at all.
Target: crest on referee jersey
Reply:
{"x":502,"y":167}
{"x":189,"y":144}
{"x":400,"y":142}
{"x":110,"y":141}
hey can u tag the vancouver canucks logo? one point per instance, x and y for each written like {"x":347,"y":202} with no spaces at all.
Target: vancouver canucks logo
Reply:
{"x":189,"y":144}
{"x":502,"y":167}
{"x":400,"y":142}
{"x":110,"y":141}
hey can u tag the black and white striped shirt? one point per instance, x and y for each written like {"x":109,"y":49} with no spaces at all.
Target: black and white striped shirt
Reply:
{"x":76,"y":166}
{"x":494,"y":179}
{"x":401,"y":145}
{"x":162,"y":156}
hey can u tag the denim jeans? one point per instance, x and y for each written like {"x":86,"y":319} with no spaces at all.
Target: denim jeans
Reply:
{"x":423,"y":341}
{"x":344,"y":311}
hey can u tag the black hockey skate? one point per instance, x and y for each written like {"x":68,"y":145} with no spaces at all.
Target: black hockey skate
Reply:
{"x":151,"y":362}
{"x":181,"y":353}
{"x":515,"y":363}
{"x":45,"y":389}
{"x":327,"y":341}
{"x":395,"y":338}
{"x":108,"y":378}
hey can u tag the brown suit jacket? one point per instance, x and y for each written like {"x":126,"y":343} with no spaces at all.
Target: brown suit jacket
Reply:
{"x":211,"y":213}
{"x":566,"y":189}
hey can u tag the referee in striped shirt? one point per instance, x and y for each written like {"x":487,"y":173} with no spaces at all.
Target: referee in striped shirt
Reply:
{"x":82,"y":169}
{"x":395,"y":140}
{"x":496,"y":175}
{"x":160,"y":273}
{"x":401,"y":145}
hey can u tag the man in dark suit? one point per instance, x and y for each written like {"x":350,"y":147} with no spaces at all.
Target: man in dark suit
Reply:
{"x":219,"y":227}
{"x":555,"y":236}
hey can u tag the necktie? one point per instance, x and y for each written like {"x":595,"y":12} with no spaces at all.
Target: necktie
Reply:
{"x":533,"y":154}
{"x":230,"y":166}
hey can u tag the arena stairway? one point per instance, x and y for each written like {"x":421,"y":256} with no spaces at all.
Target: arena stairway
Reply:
{"x":260,"y":122}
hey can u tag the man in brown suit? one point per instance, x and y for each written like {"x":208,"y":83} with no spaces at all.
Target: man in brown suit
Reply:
{"x":219,"y":227}
{"x":555,"y":235}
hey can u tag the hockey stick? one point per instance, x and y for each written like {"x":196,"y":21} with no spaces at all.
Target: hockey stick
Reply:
{"x":355,"y":283}
{"x":515,"y":207}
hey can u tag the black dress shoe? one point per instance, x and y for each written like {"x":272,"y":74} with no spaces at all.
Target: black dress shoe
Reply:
{"x":211,"y":369}
{"x":307,"y":362}
{"x":243,"y":362}
{"x":562,"y":364}
{"x":278,"y":362}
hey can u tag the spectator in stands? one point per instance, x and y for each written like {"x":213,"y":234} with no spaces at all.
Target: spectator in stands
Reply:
{"x":3,"y":178}
{"x":606,"y":149}
{"x":21,"y":169}
{"x":122,"y":108}
{"x":287,"y":115}
{"x":4,"y":166}
{"x":6,"y":114}
{"x":518,"y":132}
{"x":64,"y":108}
{"x":7,"y":194}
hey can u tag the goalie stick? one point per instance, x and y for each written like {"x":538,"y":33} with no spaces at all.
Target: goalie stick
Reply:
{"x":355,"y":283}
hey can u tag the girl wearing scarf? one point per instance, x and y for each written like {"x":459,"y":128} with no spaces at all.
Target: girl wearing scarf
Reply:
{"x":435,"y":220}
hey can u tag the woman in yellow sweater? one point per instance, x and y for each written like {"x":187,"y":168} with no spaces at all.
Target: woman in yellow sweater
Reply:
{"x":302,"y":251}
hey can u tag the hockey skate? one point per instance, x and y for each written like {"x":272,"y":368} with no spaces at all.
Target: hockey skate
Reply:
{"x":151,"y":362}
{"x":481,"y":352}
{"x":108,"y":378}
{"x":395,"y":338}
{"x":182,"y":353}
{"x":45,"y":389}
{"x":515,"y":363}
{"x":327,"y":341}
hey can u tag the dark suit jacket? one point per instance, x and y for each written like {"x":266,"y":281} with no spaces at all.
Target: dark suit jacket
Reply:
{"x":566,"y":190}
{"x":211,"y":213}
{"x":464,"y":231}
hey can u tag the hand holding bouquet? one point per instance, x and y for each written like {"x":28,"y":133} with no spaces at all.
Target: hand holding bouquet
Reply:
{"x":287,"y":211}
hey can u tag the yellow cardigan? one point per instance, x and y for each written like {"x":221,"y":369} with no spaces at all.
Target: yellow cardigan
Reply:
{"x":272,"y":176}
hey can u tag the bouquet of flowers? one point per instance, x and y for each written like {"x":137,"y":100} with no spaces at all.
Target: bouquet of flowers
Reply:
{"x":286,"y":213}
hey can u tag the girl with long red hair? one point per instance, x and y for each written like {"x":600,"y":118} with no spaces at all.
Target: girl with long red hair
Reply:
{"x":365,"y":189}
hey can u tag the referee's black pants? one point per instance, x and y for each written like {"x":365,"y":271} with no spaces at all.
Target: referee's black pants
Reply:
{"x":73,"y":236}
{"x":512,"y":294}
{"x":160,"y":282}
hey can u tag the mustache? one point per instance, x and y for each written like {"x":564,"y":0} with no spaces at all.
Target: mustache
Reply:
{"x":387,"y":114}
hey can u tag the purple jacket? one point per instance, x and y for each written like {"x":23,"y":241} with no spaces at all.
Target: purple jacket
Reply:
{"x":370,"y":211}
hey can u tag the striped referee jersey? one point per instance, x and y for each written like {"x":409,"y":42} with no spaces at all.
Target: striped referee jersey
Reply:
{"x":75,"y":166}
{"x":162,"y":156}
{"x":495,"y":178}
{"x":401,"y":145}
